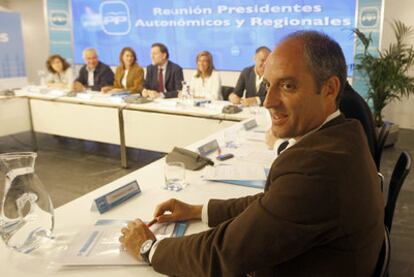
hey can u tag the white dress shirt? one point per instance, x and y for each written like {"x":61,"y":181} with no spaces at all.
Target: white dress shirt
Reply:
{"x":124,"y":79}
{"x":208,"y":88}
{"x":91,"y":81}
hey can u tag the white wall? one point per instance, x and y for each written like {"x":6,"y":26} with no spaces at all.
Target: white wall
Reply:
{"x":35,"y":39}
{"x":400,"y":112}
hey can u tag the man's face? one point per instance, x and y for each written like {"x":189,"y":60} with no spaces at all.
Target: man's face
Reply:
{"x":295,"y":105}
{"x":91,"y":59}
{"x":260,"y":59}
{"x":157,"y":57}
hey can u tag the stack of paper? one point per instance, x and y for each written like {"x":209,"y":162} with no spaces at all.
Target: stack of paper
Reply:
{"x":239,"y":174}
{"x":99,"y":245}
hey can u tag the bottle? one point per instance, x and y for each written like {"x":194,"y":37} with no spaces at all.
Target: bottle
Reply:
{"x":26,"y":211}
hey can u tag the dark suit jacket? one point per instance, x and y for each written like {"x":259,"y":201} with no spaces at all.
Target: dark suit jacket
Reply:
{"x":173,"y":78}
{"x":321,"y":213}
{"x":352,"y":105}
{"x":102,"y":76}
{"x":247,"y":81}
{"x":135,"y":78}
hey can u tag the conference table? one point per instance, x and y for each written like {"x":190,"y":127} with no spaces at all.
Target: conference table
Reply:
{"x":77,"y":215}
{"x":158,"y":126}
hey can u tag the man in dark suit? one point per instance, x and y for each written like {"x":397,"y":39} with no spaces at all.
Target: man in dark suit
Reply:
{"x":94,"y":74}
{"x":164,"y":78}
{"x":251,"y":81}
{"x":322,"y":210}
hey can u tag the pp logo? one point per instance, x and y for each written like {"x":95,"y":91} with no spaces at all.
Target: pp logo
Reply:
{"x":369,"y":17}
{"x":115,"y":18}
{"x":58,"y":18}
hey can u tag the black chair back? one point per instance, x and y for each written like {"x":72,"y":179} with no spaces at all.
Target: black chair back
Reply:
{"x":383,"y":263}
{"x":382,"y":137}
{"x":401,"y":170}
{"x":225,"y":92}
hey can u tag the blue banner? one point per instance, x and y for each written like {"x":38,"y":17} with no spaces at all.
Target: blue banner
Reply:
{"x":11,"y":46}
{"x":230,"y":30}
{"x":369,"y":22}
{"x":59,"y":28}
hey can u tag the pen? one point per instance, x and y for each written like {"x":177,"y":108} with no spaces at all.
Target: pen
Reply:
{"x":152,"y":222}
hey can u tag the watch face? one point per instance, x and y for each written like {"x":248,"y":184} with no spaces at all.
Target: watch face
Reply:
{"x":146,"y":246}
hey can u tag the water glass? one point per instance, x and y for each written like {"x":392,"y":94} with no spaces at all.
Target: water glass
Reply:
{"x":174,"y":174}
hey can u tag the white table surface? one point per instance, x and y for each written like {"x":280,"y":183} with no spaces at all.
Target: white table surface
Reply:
{"x":77,"y":215}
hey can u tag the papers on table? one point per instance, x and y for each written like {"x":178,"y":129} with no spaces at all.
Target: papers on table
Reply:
{"x":99,"y":245}
{"x":245,"y":172}
{"x":261,"y":156}
{"x":244,"y":175}
{"x":256,"y":136}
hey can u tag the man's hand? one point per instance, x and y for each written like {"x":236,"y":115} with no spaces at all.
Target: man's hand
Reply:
{"x":150,"y":93}
{"x":133,"y":236}
{"x":178,"y":211}
{"x":106,"y":89}
{"x":251,"y":101}
{"x":78,"y":87}
{"x":234,"y":98}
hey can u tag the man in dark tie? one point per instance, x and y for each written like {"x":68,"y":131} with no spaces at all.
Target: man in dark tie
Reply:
{"x":250,"y":89}
{"x":164,"y":78}
{"x":321,"y":212}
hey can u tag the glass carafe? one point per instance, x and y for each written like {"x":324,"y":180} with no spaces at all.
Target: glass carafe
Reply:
{"x":26,"y":211}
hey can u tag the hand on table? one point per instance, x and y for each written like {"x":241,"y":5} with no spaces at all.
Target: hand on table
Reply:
{"x":133,"y":236}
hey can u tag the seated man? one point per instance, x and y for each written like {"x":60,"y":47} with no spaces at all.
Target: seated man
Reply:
{"x":321,"y":212}
{"x":94,"y":74}
{"x":164,"y":78}
{"x":250,"y":80}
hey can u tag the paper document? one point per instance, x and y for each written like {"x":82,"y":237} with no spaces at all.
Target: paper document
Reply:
{"x":255,"y":136}
{"x":243,"y":172}
{"x":99,"y":245}
{"x":259,"y":156}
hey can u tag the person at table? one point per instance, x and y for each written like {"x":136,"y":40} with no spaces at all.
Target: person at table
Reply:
{"x":250,"y":82}
{"x":321,"y":212}
{"x":164,"y":78}
{"x":129,"y":76}
{"x":60,"y":73}
{"x":94,"y":74}
{"x":206,"y":83}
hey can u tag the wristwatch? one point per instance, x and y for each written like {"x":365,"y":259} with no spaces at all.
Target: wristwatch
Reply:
{"x":145,"y":250}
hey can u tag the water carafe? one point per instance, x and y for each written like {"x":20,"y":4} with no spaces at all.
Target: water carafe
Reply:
{"x":26,"y":210}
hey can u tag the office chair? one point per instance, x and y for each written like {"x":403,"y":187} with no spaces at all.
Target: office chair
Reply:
{"x":225,"y":92}
{"x":381,"y":269}
{"x":400,"y":172}
{"x":382,"y":137}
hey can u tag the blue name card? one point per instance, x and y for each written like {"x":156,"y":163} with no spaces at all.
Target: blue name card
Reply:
{"x":208,"y":148}
{"x":117,"y":197}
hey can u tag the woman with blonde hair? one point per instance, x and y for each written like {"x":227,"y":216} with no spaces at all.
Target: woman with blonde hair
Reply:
{"x":129,"y":76}
{"x":60,"y":73}
{"x":206,"y":82}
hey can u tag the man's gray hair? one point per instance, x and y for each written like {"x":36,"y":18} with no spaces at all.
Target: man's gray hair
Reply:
{"x":89,"y":50}
{"x":324,"y":57}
